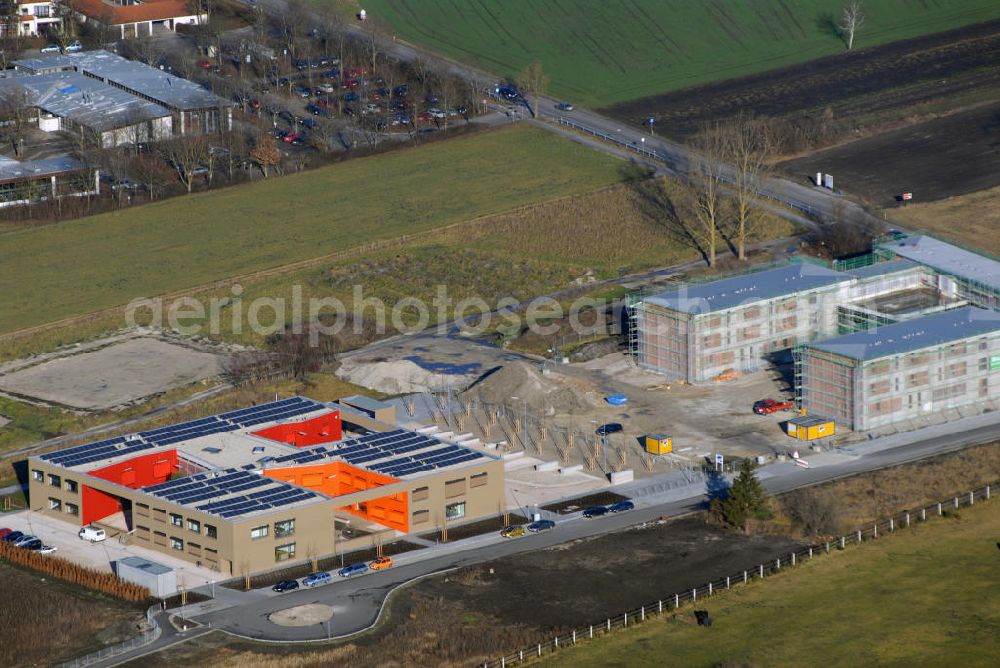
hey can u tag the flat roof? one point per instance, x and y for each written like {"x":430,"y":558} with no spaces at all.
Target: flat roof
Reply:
{"x":883,"y":268}
{"x":399,"y":453}
{"x":233,"y":486}
{"x":15,"y":170}
{"x":947,"y":258}
{"x":84,"y":100}
{"x":746,"y":289}
{"x":365,"y":403}
{"x":809,"y":421}
{"x":153,"y":567}
{"x":913,"y":335}
{"x":157,"y":85}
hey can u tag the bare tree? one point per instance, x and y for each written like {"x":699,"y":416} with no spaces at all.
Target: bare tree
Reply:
{"x":746,"y":145}
{"x":152,"y":172}
{"x":705,"y":196}
{"x":852,"y":17}
{"x":17,"y":113}
{"x":533,"y":81}
{"x":186,"y":155}
{"x":12,"y":42}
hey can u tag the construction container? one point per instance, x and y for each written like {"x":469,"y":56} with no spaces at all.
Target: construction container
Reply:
{"x":809,"y":427}
{"x":659,"y":444}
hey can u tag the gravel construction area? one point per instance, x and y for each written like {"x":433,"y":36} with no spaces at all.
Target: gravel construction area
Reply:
{"x":587,"y":580}
{"x":118,"y":374}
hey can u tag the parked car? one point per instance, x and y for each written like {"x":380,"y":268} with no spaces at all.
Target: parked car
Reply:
{"x":595,"y":511}
{"x":508,"y":93}
{"x":425,"y":117}
{"x":564,"y":106}
{"x":302,"y":91}
{"x":50,"y":48}
{"x":325,"y":88}
{"x":436,"y":113}
{"x":200,"y":170}
{"x":93,"y":534}
{"x":286,"y":585}
{"x":290,"y":138}
{"x":513,"y":532}
{"x":380,"y":564}
{"x":540,"y":525}
{"x":768,"y":406}
{"x":621,"y":506}
{"x":12,"y":536}
{"x":317,"y":579}
{"x":351,"y":97}
{"x":33,"y":544}
{"x":609,"y":428}
{"x":26,"y":540}
{"x":353,"y":569}
{"x":46,"y":549}
{"x":4,"y":532}
{"x":73,"y":47}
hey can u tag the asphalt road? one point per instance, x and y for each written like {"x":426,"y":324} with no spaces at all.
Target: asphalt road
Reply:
{"x":357,"y":601}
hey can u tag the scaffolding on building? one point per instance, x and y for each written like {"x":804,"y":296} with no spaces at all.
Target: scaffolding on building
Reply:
{"x":876,"y":256}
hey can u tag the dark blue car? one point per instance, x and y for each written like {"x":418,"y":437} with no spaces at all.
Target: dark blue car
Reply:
{"x":621,"y":506}
{"x":595,"y":511}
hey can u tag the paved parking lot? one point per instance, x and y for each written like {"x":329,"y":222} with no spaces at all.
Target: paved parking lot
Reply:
{"x":101,"y":555}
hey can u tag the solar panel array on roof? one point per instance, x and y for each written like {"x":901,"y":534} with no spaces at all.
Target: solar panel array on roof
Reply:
{"x":276,"y":410}
{"x":393,"y":453}
{"x":183,"y":431}
{"x":95,"y":452}
{"x":238,"y":492}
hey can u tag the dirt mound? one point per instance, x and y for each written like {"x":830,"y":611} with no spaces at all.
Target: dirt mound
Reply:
{"x":553,"y":393}
{"x":398,"y":377}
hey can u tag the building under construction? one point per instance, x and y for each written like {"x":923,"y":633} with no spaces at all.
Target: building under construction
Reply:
{"x":698,"y":331}
{"x":905,"y":286}
{"x":915,"y":368}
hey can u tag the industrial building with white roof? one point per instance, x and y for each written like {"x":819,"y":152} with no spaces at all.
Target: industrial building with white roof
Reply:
{"x":244,"y":490}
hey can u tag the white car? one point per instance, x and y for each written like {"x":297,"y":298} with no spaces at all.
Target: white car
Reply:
{"x":436,"y":113}
{"x":73,"y":47}
{"x":50,"y":48}
{"x":46,"y":549}
{"x":325,"y":88}
{"x":93,"y":534}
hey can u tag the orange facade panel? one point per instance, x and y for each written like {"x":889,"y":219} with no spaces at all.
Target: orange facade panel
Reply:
{"x":339,"y":479}
{"x":325,"y":428}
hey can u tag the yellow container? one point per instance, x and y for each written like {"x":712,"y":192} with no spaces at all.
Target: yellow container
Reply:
{"x":659,"y":444}
{"x":809,"y":427}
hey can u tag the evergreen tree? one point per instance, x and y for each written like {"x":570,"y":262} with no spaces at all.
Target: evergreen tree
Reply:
{"x":746,"y":498}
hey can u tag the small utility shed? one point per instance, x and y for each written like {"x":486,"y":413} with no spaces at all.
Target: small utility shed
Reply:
{"x":373,"y":408}
{"x":809,"y":427}
{"x":160,"y":580}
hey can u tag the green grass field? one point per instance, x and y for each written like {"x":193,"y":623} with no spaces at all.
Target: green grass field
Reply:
{"x":600,"y":53}
{"x":927,"y":596}
{"x":107,"y":260}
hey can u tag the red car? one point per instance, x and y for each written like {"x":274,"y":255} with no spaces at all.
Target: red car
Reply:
{"x":354,"y":72}
{"x":353,"y":83}
{"x":4,"y":532}
{"x":768,"y":406}
{"x":291,"y":138}
{"x":425,"y":117}
{"x":254,"y":104}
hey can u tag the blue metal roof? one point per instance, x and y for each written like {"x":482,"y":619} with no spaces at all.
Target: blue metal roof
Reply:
{"x":883,"y":268}
{"x":912,"y":335}
{"x":947,"y":259}
{"x":746,"y":289}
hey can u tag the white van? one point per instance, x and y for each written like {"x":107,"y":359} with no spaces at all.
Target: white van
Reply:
{"x":92,"y":534}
